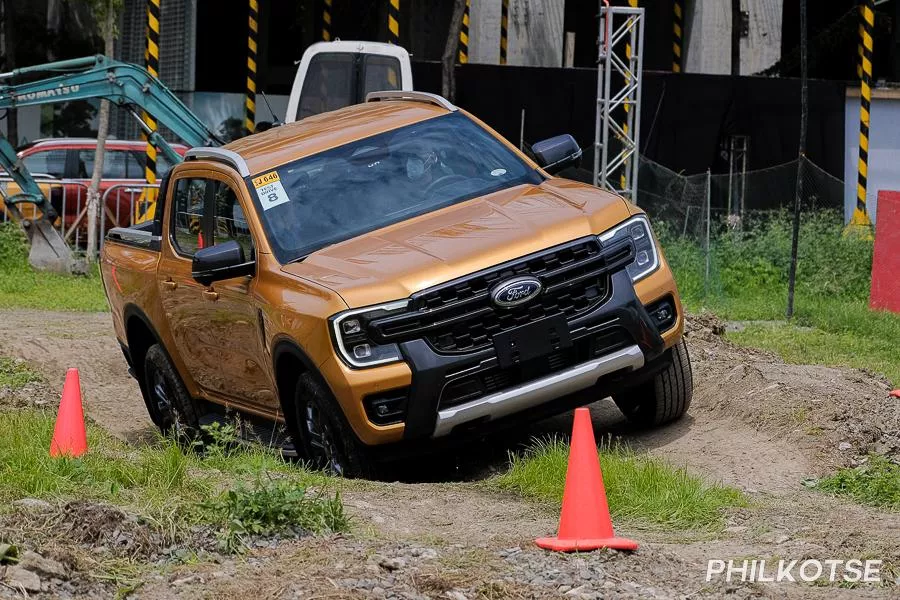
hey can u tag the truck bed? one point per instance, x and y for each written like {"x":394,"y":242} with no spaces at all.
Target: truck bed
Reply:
{"x":128,"y":264}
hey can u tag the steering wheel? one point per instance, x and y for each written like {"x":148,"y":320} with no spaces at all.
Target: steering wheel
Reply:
{"x":442,"y":182}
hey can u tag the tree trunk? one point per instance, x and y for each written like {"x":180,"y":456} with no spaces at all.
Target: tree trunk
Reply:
{"x":93,"y":196}
{"x":448,"y":76}
{"x":9,"y":54}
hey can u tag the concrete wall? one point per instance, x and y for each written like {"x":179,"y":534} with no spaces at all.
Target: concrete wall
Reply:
{"x":884,"y":148}
{"x":535,"y":32}
{"x":708,"y":30}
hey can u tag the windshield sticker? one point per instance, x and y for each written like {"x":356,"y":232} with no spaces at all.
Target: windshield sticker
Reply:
{"x":498,"y":172}
{"x":269,"y":189}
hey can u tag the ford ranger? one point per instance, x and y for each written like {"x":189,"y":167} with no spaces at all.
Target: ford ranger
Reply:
{"x":387,"y":275}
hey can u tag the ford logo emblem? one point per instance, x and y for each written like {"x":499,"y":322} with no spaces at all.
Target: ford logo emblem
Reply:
{"x":516,"y":291}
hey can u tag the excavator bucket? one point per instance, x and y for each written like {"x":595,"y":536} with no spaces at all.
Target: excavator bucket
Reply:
{"x":48,"y":250}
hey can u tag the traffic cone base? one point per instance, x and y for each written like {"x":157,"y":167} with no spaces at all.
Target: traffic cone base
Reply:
{"x":560,"y":545}
{"x":69,"y":435}
{"x":584,"y":523}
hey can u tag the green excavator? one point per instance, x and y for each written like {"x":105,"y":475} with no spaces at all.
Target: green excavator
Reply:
{"x":125,"y":85}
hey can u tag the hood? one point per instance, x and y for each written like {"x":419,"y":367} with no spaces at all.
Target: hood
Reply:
{"x":396,"y":261}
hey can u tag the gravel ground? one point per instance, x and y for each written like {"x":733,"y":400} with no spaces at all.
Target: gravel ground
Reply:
{"x":756,"y":423}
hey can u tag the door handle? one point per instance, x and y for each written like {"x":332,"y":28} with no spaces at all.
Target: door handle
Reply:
{"x":169,"y":284}
{"x":210,"y":295}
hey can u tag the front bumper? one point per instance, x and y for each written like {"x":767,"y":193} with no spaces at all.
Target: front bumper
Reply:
{"x":619,"y":336}
{"x":535,"y":393}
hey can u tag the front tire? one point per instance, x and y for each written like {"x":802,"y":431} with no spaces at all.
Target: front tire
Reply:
{"x":170,"y":405}
{"x":665,"y":397}
{"x":328,"y":441}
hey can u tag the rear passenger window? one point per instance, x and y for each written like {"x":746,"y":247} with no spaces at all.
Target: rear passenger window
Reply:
{"x":230,"y":222}
{"x":187,"y":210}
{"x":328,"y":85}
{"x":381,"y":73}
{"x":48,"y":162}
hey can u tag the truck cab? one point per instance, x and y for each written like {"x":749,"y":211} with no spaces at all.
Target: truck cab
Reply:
{"x":332,"y":75}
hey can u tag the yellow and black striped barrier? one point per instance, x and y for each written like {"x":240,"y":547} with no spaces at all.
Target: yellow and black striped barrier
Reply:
{"x":393,"y":22}
{"x":860,"y":214}
{"x":250,"y":102}
{"x":326,"y":21}
{"x":504,"y":30}
{"x":859,"y":47}
{"x":464,"y":37}
{"x":146,"y":208}
{"x":677,"y":35}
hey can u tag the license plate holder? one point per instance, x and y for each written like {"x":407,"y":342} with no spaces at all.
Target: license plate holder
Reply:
{"x":532,"y":340}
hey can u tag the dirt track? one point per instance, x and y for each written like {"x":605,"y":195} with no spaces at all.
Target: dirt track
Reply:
{"x":756,"y":423}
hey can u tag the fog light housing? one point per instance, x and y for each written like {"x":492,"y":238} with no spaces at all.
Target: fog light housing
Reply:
{"x":387,"y":408}
{"x":663,"y":313}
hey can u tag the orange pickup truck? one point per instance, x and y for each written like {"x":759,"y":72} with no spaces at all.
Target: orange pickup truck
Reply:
{"x":388,"y":274}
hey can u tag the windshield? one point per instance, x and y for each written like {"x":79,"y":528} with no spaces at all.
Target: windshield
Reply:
{"x":368,"y":184}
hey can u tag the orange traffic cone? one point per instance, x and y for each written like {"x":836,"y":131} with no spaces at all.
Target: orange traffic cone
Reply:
{"x":584,"y":523}
{"x":69,"y":436}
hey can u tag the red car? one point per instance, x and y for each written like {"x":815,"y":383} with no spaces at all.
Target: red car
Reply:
{"x":72,"y":160}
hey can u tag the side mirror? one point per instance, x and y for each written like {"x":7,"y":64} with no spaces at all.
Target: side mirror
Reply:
{"x":222,"y":261}
{"x":556,"y":153}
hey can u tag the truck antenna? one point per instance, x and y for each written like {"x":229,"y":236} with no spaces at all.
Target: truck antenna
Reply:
{"x":275,"y":121}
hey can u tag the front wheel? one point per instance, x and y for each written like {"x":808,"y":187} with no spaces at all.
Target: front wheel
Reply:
{"x":171,"y":407}
{"x":328,"y":440}
{"x":665,"y":397}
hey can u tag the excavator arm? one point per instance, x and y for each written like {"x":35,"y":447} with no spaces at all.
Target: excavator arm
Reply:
{"x":125,"y":85}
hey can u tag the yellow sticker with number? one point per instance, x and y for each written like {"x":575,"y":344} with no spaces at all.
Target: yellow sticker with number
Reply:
{"x":270,"y":190}
{"x":270,"y":177}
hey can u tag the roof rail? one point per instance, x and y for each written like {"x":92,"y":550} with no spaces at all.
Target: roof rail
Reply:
{"x":411,"y":96}
{"x":229,"y":157}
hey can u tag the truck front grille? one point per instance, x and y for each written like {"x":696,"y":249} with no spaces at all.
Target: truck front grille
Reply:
{"x":459,"y":317}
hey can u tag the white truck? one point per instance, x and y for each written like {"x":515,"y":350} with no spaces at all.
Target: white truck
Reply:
{"x":336,"y":74}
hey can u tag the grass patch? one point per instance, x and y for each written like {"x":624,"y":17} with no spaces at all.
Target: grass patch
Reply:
{"x":23,"y":287}
{"x":877,"y":482}
{"x":640,"y":489}
{"x":239,"y":490}
{"x":832,"y":323}
{"x":16,"y":374}
{"x":803,"y":346}
{"x":270,"y":508}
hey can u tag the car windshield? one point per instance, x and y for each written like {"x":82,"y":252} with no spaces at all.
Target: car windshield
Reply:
{"x":368,"y":184}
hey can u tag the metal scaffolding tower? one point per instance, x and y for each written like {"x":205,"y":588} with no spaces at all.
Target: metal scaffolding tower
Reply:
{"x":617,"y":131}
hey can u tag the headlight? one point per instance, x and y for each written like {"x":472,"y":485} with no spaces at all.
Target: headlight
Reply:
{"x":646,"y":257}
{"x":352,"y":341}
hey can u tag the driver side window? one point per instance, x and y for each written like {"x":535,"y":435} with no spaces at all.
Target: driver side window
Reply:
{"x":230,"y":221}
{"x":188,"y":209}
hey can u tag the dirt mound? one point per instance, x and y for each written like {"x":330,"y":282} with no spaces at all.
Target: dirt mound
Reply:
{"x":834,"y":415}
{"x":108,"y":527}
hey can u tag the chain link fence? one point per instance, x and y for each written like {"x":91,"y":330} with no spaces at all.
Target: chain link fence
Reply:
{"x":726,"y":233}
